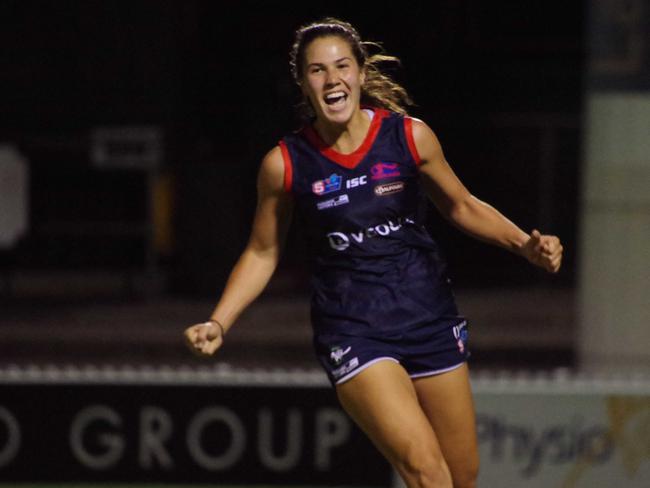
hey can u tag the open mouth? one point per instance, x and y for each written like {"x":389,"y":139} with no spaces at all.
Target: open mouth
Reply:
{"x":336,"y":98}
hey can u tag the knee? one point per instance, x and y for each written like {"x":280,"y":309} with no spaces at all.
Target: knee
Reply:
{"x":422,"y":469}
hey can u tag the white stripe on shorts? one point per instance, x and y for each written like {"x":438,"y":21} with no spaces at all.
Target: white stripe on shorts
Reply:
{"x":352,"y":374}
{"x":437,"y":371}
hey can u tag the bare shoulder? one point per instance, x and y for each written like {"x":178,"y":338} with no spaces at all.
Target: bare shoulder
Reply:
{"x":271,"y":174}
{"x":426,"y":141}
{"x":273,"y":162}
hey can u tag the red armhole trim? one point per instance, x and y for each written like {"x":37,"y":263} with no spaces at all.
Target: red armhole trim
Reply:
{"x":288,"y":170}
{"x":408,"y":129}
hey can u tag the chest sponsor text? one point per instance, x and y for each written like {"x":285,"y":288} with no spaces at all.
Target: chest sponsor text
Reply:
{"x":340,"y":241}
{"x":389,"y":188}
{"x":333,"y":202}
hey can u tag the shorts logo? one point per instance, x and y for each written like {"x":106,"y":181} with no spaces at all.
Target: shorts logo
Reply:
{"x":337,"y":353}
{"x":328,"y":185}
{"x":384,"y":170}
{"x":389,"y":188}
{"x":346,"y":368}
{"x":333,"y":202}
{"x":460,"y":333}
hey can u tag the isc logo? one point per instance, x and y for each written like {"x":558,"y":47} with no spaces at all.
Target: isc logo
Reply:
{"x":354,"y":182}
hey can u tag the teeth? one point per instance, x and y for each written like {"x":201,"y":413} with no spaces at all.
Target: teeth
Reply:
{"x":334,"y":95}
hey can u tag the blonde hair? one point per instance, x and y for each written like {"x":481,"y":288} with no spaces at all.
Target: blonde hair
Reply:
{"x":378,"y":90}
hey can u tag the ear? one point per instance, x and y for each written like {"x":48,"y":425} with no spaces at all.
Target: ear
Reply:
{"x":363,"y":75}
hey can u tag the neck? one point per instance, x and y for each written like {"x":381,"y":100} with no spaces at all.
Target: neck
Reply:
{"x":344,"y":138}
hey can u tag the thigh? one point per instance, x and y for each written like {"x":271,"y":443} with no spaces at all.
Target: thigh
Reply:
{"x":446,"y":400}
{"x":383,"y":402}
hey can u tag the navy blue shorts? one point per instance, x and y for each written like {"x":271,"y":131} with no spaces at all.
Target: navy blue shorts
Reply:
{"x":423,"y":351}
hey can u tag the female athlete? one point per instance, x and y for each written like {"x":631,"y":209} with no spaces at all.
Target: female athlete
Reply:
{"x":386,"y":328}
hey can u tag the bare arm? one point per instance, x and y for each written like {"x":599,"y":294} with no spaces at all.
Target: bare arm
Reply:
{"x":473,"y":216}
{"x":258,"y":261}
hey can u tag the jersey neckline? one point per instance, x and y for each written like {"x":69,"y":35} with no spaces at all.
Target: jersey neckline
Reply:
{"x":351,"y":160}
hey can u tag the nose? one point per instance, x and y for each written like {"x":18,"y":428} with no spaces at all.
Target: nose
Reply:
{"x":332,"y":78}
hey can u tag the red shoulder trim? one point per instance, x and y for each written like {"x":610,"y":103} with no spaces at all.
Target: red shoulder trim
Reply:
{"x":288,"y":168}
{"x":408,"y":129}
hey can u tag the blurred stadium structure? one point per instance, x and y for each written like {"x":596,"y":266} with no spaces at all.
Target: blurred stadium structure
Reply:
{"x":142,"y":158}
{"x":129,"y":143}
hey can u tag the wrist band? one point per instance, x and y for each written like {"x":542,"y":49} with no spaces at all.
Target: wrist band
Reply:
{"x":221,"y":329}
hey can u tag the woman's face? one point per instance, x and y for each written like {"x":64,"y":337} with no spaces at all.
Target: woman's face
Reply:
{"x":332,"y":79}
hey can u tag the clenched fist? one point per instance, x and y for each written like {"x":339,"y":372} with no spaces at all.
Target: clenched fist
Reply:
{"x":204,"y":338}
{"x":544,"y":251}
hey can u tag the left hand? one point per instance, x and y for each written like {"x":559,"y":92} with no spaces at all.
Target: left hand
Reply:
{"x":544,"y":251}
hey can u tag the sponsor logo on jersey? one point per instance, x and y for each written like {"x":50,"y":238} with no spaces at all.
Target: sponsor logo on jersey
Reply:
{"x":328,"y":185}
{"x":389,"y":188}
{"x":384,"y":170}
{"x":333,"y":202}
{"x":460,"y":333}
{"x":337,"y":353}
{"x":346,"y":368}
{"x":340,"y":241}
{"x":354,"y":182}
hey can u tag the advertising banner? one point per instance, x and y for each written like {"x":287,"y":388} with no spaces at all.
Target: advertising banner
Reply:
{"x":561,"y":438}
{"x":288,"y":430}
{"x":184,"y":434}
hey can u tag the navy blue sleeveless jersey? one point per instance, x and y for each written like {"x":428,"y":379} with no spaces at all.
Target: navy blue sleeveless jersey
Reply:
{"x":376,"y":269}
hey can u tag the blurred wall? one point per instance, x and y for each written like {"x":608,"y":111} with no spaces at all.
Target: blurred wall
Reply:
{"x":501,"y":86}
{"x":615,"y":238}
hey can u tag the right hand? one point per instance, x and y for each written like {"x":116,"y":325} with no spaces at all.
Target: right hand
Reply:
{"x":204,"y":339}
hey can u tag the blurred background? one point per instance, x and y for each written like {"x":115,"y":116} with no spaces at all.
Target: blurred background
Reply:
{"x":139,"y":127}
{"x":131,"y":134}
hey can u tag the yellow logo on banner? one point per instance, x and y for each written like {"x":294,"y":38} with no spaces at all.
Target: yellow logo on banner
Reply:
{"x":629,"y":430}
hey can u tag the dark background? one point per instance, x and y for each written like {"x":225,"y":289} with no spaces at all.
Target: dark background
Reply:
{"x":500,"y":83}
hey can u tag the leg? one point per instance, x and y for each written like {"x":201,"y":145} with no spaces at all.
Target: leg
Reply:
{"x":382,"y":401}
{"x":446,"y":400}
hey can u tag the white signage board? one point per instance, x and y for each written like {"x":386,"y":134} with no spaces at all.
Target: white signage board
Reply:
{"x":565,"y":437}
